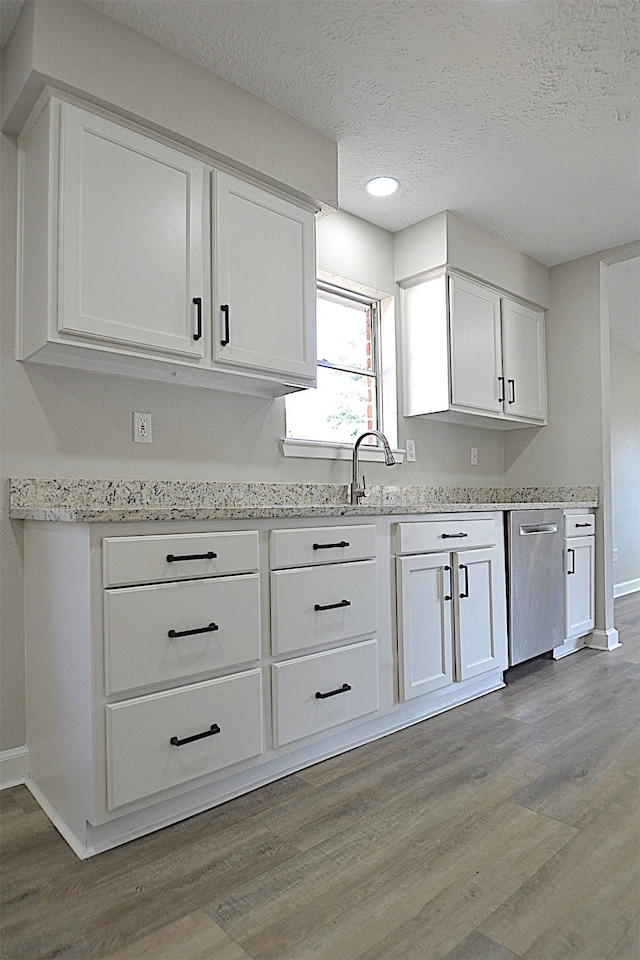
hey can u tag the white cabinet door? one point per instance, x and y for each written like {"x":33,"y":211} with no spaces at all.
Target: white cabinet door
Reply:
{"x":579,"y":586}
{"x":476,"y":356}
{"x":265,"y":281}
{"x":132,"y":239}
{"x":424,"y":596}
{"x":524,"y":365}
{"x":477,"y":640}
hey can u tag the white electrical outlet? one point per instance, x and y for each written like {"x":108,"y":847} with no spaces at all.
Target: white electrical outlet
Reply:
{"x":142,"y":427}
{"x":474,"y":456}
{"x":615,"y":554}
{"x":410,"y":447}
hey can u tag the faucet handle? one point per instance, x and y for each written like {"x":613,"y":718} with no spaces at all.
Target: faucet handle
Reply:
{"x":363,"y":488}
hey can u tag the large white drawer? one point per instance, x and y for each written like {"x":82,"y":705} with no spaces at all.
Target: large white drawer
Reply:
{"x":128,"y":560}
{"x":316,"y":605}
{"x":171,"y":630}
{"x":314,"y":693}
{"x":580,"y":525}
{"x":425,"y":536}
{"x":312,"y":545}
{"x":141,"y":757}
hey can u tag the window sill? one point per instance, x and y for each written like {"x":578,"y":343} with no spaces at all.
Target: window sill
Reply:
{"x":320,"y":450}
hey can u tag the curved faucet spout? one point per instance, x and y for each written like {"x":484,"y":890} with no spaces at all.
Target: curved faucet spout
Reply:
{"x":358,"y":492}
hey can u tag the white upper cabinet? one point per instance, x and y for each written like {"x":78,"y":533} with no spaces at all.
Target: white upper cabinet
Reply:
{"x":265,"y":280}
{"x":131,"y":238}
{"x":471,"y":354}
{"x":476,"y":359}
{"x":117,"y":271}
{"x":523,"y":357}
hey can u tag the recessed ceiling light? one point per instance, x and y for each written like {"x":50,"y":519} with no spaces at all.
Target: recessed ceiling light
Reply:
{"x":382,"y":186}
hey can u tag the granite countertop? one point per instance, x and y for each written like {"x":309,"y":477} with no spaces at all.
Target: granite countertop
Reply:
{"x":94,"y":501}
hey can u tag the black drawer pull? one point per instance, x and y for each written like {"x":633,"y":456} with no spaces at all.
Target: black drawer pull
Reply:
{"x":175,"y":742}
{"x":583,"y":524}
{"x":191,"y":633}
{"x":453,"y":536}
{"x":171,"y":558}
{"x":333,"y":693}
{"x":198,"y":303}
{"x":330,"y":546}
{"x":332,"y":606}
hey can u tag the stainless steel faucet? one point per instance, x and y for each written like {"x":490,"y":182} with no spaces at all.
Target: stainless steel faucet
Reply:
{"x":357,"y":492}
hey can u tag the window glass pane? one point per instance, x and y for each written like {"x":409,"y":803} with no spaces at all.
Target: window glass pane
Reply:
{"x":343,"y":331}
{"x":341,"y":407}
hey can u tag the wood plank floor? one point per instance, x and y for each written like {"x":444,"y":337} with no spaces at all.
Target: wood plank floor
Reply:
{"x":506,"y":828}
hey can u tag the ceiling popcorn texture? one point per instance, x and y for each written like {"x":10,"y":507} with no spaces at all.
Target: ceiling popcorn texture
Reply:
{"x":520,"y":116}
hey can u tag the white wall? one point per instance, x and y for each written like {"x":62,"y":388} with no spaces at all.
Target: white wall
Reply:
{"x":625,"y":463}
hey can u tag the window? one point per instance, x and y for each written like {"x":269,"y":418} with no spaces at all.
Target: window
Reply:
{"x":348,"y":398}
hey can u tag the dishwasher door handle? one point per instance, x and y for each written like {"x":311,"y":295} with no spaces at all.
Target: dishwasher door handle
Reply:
{"x":526,"y":529}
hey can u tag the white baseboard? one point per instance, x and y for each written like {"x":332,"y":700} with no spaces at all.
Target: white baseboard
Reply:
{"x":604,"y":640}
{"x":14,"y":767}
{"x":628,"y":586}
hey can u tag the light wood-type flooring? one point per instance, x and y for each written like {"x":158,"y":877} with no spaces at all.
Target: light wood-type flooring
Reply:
{"x":508,"y":827}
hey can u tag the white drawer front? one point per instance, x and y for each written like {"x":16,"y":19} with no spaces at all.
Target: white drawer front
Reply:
{"x":128,"y":560}
{"x":299,"y":712}
{"x":141,"y":760}
{"x":315,"y":605}
{"x":580,"y":525}
{"x":216,"y":623}
{"x":297,"y":548}
{"x":428,"y":535}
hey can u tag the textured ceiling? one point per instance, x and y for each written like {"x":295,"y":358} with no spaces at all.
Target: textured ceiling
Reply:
{"x":519,"y":115}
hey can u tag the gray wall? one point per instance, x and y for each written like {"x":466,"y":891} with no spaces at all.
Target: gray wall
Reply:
{"x":625,"y":463}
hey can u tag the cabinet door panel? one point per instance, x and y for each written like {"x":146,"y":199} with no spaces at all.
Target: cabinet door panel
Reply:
{"x":579,"y":586}
{"x":132,"y":237}
{"x":476,"y":635}
{"x":476,"y":355}
{"x":424,"y":623}
{"x":524,"y":360}
{"x":265,"y":274}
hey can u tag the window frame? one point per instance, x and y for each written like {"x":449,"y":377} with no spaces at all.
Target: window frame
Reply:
{"x":384,"y":359}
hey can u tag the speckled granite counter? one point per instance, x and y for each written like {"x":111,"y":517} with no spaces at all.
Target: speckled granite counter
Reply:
{"x":93,"y":501}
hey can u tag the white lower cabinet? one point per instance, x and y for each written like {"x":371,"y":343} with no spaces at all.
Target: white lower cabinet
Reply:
{"x":579,"y":581}
{"x":174,"y":665}
{"x":451,"y":616}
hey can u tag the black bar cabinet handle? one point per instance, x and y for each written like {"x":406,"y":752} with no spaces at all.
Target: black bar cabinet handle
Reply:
{"x":512,"y":390}
{"x":449,"y":596}
{"x":191,"y":633}
{"x":332,"y":606}
{"x":172,"y":558}
{"x":330,"y":546}
{"x":198,"y":302}
{"x":333,"y":693}
{"x":452,"y":536}
{"x":465,"y":592}
{"x":573,"y":560}
{"x":224,"y":309}
{"x":214,"y":728}
{"x":501,"y":389}
{"x":583,"y":524}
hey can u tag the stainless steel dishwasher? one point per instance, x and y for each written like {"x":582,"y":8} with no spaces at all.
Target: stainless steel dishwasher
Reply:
{"x":535,"y":582}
